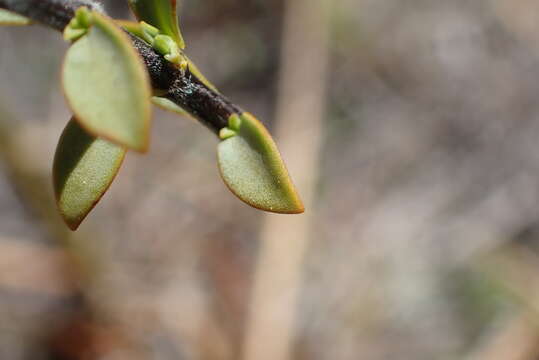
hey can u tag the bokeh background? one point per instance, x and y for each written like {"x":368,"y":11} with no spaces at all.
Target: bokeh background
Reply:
{"x":410,"y":128}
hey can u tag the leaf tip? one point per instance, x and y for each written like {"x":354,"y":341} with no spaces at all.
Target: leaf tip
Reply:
{"x":297,"y":206}
{"x":72,"y":224}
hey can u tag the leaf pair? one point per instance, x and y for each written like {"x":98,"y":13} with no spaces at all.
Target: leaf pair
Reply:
{"x":85,"y":165}
{"x":108,"y":89}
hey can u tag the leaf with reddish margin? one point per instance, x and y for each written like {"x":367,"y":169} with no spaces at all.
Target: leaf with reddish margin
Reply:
{"x":84,"y":168}
{"x":107,"y":85}
{"x":252,"y":168}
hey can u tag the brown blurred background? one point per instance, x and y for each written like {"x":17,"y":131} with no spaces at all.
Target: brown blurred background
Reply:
{"x":410,"y":129}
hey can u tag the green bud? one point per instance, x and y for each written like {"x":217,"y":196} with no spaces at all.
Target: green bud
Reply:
{"x":167,"y":47}
{"x":234,"y":122}
{"x":79,"y":25}
{"x":75,"y":24}
{"x":72,"y":34}
{"x":149,"y":32}
{"x":164,"y":44}
{"x":83,"y":17}
{"x":226,"y":133}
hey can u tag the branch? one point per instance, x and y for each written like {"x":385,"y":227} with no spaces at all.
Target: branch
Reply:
{"x":183,"y":88}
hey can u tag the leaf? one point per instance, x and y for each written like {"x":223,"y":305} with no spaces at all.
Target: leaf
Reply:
{"x":161,"y":14}
{"x":196,"y":72}
{"x":9,"y":18}
{"x":84,"y":167}
{"x":168,"y":105}
{"x":131,"y":27}
{"x":107,"y":86}
{"x":251,"y":166}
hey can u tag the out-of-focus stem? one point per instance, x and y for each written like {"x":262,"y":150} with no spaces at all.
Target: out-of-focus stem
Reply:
{"x":284,"y":240}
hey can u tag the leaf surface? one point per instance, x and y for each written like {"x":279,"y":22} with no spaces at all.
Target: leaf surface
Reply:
{"x":84,"y":167}
{"x":169,"y":105}
{"x":251,"y":166}
{"x":107,"y":86}
{"x":161,"y":14}
{"x":9,"y":18}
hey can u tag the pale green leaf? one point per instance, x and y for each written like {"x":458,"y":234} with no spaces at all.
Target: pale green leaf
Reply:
{"x":132,"y":27}
{"x":161,"y":14}
{"x":9,"y":18}
{"x":84,"y":167}
{"x":198,"y":74}
{"x":168,"y":105}
{"x":107,"y":85}
{"x":251,"y":166}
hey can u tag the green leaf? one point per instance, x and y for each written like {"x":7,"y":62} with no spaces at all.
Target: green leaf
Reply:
{"x":196,"y":72}
{"x":9,"y":18}
{"x":161,"y":14}
{"x":107,"y":85}
{"x":84,"y":167}
{"x":132,"y":27}
{"x":168,"y":105}
{"x":251,"y":166}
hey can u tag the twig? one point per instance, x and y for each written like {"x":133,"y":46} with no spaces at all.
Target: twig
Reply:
{"x":183,"y":88}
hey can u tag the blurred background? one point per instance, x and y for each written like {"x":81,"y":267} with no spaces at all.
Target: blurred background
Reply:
{"x":410,"y":130}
